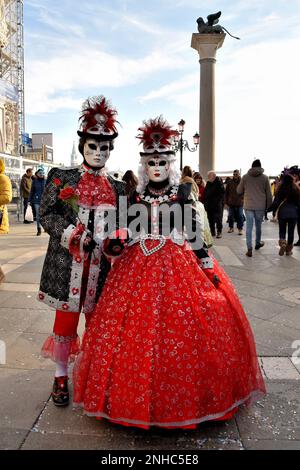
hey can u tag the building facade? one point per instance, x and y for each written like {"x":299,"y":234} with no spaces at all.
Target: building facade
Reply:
{"x":14,"y":143}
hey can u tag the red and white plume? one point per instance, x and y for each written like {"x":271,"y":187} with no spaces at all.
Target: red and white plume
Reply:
{"x":156,"y":136}
{"x":98,"y":117}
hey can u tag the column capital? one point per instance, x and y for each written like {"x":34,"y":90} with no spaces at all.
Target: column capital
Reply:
{"x":207,"y":44}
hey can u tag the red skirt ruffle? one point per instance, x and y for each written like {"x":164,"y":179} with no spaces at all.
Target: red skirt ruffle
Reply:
{"x":165,"y":347}
{"x":63,"y":352}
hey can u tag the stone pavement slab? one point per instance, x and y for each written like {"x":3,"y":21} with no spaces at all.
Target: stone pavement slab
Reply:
{"x":24,"y":352}
{"x":280,"y":368}
{"x":264,"y":309}
{"x":29,"y":419}
{"x":277,"y":416}
{"x":275,"y":444}
{"x":22,"y":300}
{"x":272,"y":340}
{"x":11,"y":439}
{"x":72,"y":421}
{"x":18,"y":319}
{"x":23,"y":394}
{"x":45,"y":441}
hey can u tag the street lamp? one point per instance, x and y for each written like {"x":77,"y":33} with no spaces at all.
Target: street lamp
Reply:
{"x":182,"y":144}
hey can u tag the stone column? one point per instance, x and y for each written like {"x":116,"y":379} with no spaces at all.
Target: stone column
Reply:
{"x":207,"y":45}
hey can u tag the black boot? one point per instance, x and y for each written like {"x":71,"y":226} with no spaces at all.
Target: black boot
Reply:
{"x":60,"y":391}
{"x":39,"y":231}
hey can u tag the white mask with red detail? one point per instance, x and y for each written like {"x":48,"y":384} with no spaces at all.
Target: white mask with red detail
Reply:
{"x":96,"y":153}
{"x":158,"y":169}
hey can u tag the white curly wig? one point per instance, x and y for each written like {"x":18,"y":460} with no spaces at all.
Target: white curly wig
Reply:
{"x":174,"y":174}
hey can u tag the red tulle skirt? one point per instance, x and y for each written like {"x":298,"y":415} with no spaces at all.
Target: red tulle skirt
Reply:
{"x":164,"y":346}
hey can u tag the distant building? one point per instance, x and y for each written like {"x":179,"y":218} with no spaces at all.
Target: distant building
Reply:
{"x":17,"y":149}
{"x":39,"y":148}
{"x":74,"y":156}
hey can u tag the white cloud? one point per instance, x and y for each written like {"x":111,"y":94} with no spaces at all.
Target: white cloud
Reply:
{"x":257,"y":104}
{"x":86,"y":68}
{"x":170,"y":91}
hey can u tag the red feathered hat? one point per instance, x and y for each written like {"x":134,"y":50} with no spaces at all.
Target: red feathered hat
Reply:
{"x":156,"y":137}
{"x":98,"y":119}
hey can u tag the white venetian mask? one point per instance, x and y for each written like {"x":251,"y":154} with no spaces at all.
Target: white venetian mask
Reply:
{"x":158,"y":169}
{"x":96,"y":153}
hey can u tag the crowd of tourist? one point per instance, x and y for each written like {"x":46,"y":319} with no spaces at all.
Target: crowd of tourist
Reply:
{"x":248,"y":199}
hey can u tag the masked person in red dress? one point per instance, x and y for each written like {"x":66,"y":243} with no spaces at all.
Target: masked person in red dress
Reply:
{"x":168,"y":344}
{"x":72,"y":211}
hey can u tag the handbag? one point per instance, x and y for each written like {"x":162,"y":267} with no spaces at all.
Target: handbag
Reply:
{"x":277,"y":211}
{"x":29,"y":214}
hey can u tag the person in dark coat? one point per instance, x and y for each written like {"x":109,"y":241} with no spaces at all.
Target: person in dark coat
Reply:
{"x":26,"y":183}
{"x":131,"y":182}
{"x":234,"y":201}
{"x":36,"y":192}
{"x":214,"y":203}
{"x":286,"y":205}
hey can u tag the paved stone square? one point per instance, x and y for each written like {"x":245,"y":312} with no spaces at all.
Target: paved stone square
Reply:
{"x":269,"y":288}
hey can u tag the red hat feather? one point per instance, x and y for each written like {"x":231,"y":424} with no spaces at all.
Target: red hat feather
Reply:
{"x":98,"y":117}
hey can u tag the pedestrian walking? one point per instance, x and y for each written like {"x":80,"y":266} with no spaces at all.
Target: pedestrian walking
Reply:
{"x":201,"y":185}
{"x":234,"y":201}
{"x":26,"y":183}
{"x":286,"y":206}
{"x":255,"y":187}
{"x":187,"y":178}
{"x":5,"y":198}
{"x":214,"y":203}
{"x":37,"y":189}
{"x":131,"y":182}
{"x":295,"y":172}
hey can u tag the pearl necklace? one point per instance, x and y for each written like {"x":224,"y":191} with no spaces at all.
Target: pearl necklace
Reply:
{"x":160,"y":198}
{"x":159,"y":192}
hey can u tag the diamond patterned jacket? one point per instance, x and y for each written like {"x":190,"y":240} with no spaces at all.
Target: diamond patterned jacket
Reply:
{"x":62,"y":274}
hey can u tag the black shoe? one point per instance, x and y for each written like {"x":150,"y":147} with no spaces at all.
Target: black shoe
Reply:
{"x":297,"y":243}
{"x":26,"y":222}
{"x":259,"y":245}
{"x":249,"y":253}
{"x":39,"y":232}
{"x":219,"y":235}
{"x":60,"y":391}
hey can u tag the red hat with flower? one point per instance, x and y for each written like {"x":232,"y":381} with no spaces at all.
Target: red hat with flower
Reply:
{"x":98,"y":119}
{"x":156,"y":136}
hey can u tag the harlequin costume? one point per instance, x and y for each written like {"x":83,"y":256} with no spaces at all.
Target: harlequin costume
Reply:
{"x":169,"y":344}
{"x":72,"y":211}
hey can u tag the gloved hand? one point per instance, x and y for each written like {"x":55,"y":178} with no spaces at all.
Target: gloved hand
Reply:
{"x":116,"y":243}
{"x":89,"y":244}
{"x":74,"y":243}
{"x":212,"y":277}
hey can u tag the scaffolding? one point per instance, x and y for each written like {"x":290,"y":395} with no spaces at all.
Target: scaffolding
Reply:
{"x":12,"y":55}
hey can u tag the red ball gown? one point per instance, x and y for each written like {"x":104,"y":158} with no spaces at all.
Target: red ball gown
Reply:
{"x":165,"y":346}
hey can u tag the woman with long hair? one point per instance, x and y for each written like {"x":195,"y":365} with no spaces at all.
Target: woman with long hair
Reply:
{"x":131,"y":182}
{"x":286,"y":206}
{"x":201,"y":185}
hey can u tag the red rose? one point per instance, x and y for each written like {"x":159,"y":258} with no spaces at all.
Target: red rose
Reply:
{"x":57,"y":182}
{"x":66,"y":193}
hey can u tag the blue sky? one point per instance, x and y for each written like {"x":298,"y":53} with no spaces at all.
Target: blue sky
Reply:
{"x":138,"y":54}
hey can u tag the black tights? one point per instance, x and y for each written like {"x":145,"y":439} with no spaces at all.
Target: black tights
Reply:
{"x":290,"y":224}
